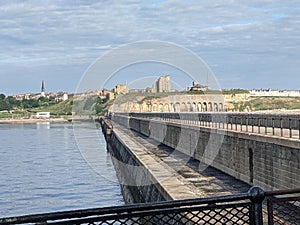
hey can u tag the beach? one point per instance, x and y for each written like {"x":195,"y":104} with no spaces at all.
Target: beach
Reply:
{"x":56,"y":120}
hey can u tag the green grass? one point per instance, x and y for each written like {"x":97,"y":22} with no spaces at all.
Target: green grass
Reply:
{"x":267,"y":103}
{"x":59,"y":109}
{"x":271,"y":103}
{"x":15,"y":114}
{"x":234,"y":91}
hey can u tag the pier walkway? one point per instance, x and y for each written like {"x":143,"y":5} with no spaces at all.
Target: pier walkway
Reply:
{"x":202,"y":179}
{"x":207,"y":196}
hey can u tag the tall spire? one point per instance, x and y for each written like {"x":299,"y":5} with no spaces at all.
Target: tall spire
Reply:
{"x":43,"y":89}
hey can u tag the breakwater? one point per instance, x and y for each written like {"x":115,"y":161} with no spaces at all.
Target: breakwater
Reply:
{"x":271,"y":162}
{"x":142,"y":176}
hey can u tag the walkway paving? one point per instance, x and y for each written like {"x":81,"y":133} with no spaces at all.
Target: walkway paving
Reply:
{"x":201,"y":179}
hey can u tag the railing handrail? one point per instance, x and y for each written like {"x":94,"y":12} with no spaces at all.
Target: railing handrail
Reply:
{"x":290,"y":122}
{"x":254,"y":196}
{"x":282,"y":192}
{"x":129,"y":208}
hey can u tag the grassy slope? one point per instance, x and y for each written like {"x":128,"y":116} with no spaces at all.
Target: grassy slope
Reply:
{"x":266,"y":103}
{"x":254,"y":104}
{"x":61,"y":108}
{"x":269,"y":103}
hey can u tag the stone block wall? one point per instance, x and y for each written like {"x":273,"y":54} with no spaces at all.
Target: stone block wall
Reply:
{"x":121,"y":155}
{"x":270,"y":162}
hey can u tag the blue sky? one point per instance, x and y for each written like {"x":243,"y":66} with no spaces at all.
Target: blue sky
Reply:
{"x":247,"y":44}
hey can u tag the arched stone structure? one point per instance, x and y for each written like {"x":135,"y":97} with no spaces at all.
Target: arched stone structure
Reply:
{"x":154,"y":107}
{"x":209,"y":107}
{"x":221,"y":107}
{"x":178,"y":103}
{"x":136,"y":107}
{"x":199,"y":107}
{"x":194,"y":107}
{"x":216,"y":107}
{"x":160,"y":107}
{"x":177,"y":107}
{"x":188,"y":107}
{"x":166,"y":107}
{"x":204,"y":109}
{"x":183,"y":107}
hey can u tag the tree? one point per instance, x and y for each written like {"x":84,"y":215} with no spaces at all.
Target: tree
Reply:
{"x":100,"y":105}
{"x":4,"y":105}
{"x":14,"y":103}
{"x":89,"y":103}
{"x":29,"y":103}
{"x":2,"y":96}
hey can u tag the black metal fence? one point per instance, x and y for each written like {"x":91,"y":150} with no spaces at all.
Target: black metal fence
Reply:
{"x":283,"y":207}
{"x":273,"y":124}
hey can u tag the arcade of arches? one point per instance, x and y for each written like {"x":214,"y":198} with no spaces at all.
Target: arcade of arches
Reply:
{"x":175,"y":107}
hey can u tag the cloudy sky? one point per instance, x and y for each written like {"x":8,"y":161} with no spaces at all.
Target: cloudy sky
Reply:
{"x":247,"y":44}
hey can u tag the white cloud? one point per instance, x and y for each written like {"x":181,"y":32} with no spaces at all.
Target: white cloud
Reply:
{"x":77,"y":32}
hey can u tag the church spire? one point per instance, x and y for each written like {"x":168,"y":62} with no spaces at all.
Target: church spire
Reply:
{"x":43,"y":89}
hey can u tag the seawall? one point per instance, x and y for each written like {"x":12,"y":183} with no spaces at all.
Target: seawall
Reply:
{"x":257,"y":159}
{"x":143,"y":176}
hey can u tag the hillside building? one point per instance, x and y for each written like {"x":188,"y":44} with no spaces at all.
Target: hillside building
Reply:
{"x":163,"y":84}
{"x":197,"y":87}
{"x":274,"y":93}
{"x":121,"y":89}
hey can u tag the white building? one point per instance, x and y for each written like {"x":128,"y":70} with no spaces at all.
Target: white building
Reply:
{"x":163,"y":84}
{"x":43,"y":115}
{"x":61,"y":96}
{"x":274,"y":93}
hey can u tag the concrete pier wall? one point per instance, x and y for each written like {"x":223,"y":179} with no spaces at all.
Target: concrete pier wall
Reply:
{"x":258,"y":159}
{"x":142,"y":176}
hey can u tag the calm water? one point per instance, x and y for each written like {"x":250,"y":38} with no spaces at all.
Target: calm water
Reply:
{"x":42,"y":170}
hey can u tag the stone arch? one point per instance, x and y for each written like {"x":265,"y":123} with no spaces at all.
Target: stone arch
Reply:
{"x":177,"y":107}
{"x":188,"y":107}
{"x":209,"y":107}
{"x":166,"y":107}
{"x":149,"y":107}
{"x":221,"y":109}
{"x":199,"y":107}
{"x":160,"y":107}
{"x":136,"y":107}
{"x":194,"y":107}
{"x":204,"y":109}
{"x":183,"y":107}
{"x":144,"y":107}
{"x":216,"y":107}
{"x":171,"y":105}
{"x":154,"y":107}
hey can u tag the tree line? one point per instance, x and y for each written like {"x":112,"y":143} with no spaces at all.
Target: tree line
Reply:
{"x":10,"y":103}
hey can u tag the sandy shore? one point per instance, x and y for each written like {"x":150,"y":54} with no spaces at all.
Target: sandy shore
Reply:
{"x":56,"y":120}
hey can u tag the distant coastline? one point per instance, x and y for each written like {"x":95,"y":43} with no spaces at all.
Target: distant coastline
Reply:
{"x":56,"y":120}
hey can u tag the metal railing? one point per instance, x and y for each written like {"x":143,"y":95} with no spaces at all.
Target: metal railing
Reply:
{"x":271,"y":124}
{"x":282,"y":209}
{"x":246,"y":208}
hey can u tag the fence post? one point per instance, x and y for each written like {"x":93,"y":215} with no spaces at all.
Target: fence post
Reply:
{"x":281,"y":127}
{"x":299,"y":128}
{"x":235,"y":121}
{"x":266,"y":125}
{"x":241,"y":123}
{"x":257,"y":197}
{"x":273,"y":126}
{"x":290,"y":128}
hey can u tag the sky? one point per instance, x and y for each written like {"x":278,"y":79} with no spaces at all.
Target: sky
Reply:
{"x":246,"y":44}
